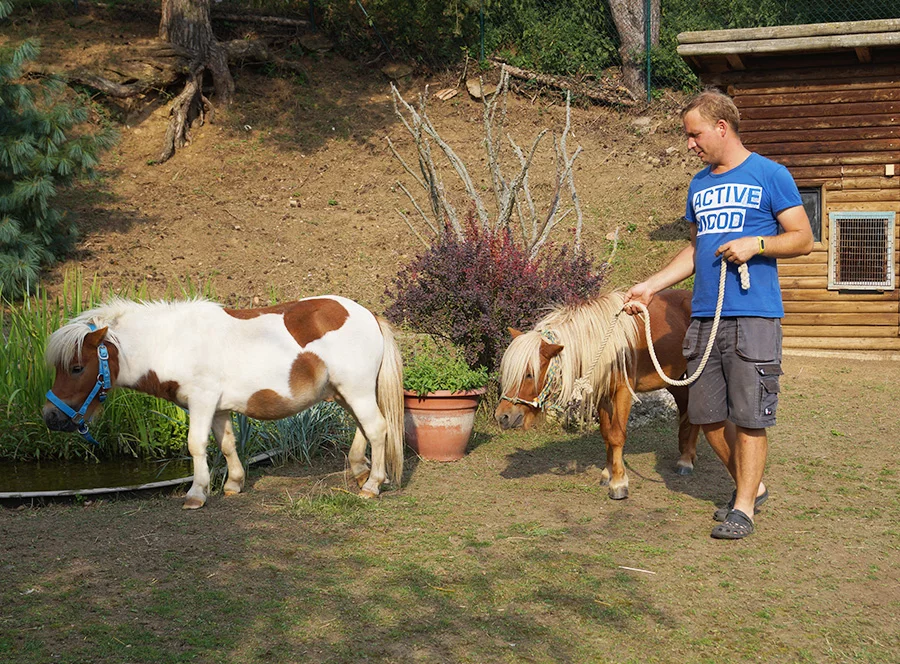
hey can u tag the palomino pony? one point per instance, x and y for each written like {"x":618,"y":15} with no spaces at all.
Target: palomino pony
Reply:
{"x":267,"y":363}
{"x":540,"y":369}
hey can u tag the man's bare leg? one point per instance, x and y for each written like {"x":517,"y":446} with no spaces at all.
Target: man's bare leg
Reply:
{"x":743,"y":452}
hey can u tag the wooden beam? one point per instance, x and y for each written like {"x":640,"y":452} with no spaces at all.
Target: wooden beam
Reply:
{"x":852,"y":319}
{"x":789,"y":45}
{"x":824,"y":122}
{"x":849,"y":158}
{"x":880,"y":206}
{"x":801,"y":98}
{"x":751,"y":137}
{"x":843,"y":307}
{"x":839,"y":331}
{"x":817,"y":255}
{"x":823,"y":110}
{"x":815,"y":182}
{"x":832,"y":147}
{"x":884,"y":183}
{"x":735,"y":61}
{"x":790,"y":31}
{"x":841,"y":343}
{"x":803,"y":270}
{"x":743,"y":81}
{"x":794,"y":283}
{"x":882,"y":196}
{"x":859,"y":80}
{"x":825,"y":296}
{"x":836,"y":171}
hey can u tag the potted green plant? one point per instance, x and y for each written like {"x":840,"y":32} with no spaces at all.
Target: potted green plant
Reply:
{"x":441,"y":395}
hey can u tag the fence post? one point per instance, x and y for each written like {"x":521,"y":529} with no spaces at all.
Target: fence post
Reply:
{"x":647,"y":45}
{"x":481,"y":22}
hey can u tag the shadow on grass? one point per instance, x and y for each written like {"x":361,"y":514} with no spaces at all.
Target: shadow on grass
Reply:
{"x":576,"y":453}
{"x":325,"y":577}
{"x":412,"y":460}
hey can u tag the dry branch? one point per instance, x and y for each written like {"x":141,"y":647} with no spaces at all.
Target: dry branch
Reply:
{"x":507,"y":192}
{"x":613,"y":94}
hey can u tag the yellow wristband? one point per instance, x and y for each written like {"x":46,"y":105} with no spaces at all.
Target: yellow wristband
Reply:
{"x":762,"y":244}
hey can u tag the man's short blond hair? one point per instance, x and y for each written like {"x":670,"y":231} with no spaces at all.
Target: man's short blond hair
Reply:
{"x":714,"y":106}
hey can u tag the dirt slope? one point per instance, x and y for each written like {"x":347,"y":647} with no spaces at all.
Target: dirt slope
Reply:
{"x":291,"y":192}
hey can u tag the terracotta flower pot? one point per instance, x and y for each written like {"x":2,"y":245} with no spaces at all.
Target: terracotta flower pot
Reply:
{"x":438,"y":426}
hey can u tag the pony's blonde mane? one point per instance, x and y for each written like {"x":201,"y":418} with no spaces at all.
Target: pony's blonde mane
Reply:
{"x":580,"y":329}
{"x":71,"y":336}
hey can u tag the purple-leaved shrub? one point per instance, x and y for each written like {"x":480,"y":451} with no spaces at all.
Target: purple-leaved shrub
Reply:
{"x":471,"y":290}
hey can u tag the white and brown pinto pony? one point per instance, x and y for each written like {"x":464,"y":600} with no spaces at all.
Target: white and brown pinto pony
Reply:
{"x":267,"y":363}
{"x":540,"y":368}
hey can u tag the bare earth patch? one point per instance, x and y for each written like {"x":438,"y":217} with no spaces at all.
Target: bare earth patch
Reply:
{"x":292,"y":191}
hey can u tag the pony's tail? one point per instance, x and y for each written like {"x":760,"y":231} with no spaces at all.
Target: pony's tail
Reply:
{"x":389,"y":395}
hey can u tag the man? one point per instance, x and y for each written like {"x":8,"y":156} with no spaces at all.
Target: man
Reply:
{"x":736,"y":206}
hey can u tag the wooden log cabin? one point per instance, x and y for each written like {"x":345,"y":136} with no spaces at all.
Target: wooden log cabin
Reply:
{"x":824,"y":100}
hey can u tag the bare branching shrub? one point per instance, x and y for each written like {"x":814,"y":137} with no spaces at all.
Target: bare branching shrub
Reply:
{"x":482,"y":272}
{"x":512,"y":192}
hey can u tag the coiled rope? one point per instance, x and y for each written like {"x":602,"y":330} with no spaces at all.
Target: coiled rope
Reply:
{"x":582,"y":386}
{"x":745,"y":284}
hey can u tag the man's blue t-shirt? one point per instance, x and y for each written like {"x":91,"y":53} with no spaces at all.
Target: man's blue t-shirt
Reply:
{"x":727,"y":206}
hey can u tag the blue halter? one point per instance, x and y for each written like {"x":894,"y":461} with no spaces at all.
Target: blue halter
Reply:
{"x":103,"y":385}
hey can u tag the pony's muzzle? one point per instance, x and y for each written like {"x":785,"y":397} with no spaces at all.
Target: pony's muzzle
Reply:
{"x":56,"y":420}
{"x":509,"y":419}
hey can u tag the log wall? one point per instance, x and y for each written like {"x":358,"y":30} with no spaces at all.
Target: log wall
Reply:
{"x":836,"y":125}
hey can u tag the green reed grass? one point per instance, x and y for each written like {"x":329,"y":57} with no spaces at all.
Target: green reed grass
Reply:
{"x":131,"y":423}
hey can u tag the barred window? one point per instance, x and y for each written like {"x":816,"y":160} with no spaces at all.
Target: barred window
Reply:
{"x":861,"y":251}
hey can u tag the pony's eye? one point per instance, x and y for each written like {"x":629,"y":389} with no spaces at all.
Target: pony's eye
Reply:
{"x":77,"y":369}
{"x":529,"y":376}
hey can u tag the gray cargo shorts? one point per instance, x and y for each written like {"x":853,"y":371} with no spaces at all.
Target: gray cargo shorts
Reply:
{"x":741,"y":379}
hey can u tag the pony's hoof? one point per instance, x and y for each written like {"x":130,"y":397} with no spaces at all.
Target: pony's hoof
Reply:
{"x":604,"y":481}
{"x":368,"y":495}
{"x":620,"y":493}
{"x":362,"y":478}
{"x":232,"y":488}
{"x":192,"y":503}
{"x":684,"y":469}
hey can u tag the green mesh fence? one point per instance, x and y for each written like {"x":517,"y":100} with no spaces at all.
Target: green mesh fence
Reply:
{"x":667,"y":69}
{"x":574,"y":38}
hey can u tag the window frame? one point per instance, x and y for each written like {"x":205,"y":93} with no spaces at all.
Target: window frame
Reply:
{"x":890,"y":218}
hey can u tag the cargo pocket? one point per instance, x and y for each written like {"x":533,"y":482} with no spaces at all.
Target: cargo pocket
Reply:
{"x":690,"y":347}
{"x":759,"y":339}
{"x":769,"y":387}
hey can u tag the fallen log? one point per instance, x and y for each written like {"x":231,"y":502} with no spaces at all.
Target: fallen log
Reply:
{"x":615,"y":94}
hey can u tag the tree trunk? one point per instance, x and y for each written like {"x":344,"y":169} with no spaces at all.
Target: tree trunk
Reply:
{"x":629,"y":17}
{"x":185,"y":23}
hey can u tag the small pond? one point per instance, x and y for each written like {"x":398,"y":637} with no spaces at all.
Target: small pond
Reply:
{"x":53,"y":478}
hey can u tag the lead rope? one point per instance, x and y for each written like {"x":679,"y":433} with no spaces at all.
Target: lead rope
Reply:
{"x":744,"y":273}
{"x":582,"y":386}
